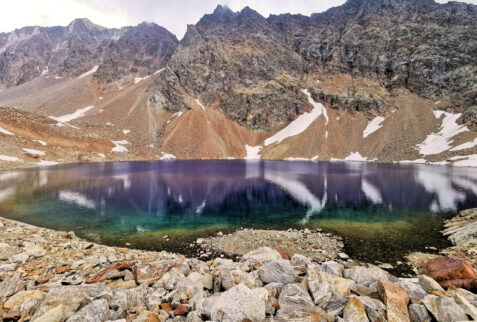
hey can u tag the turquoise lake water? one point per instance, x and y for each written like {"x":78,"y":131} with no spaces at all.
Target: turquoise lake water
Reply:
{"x":383,"y":210}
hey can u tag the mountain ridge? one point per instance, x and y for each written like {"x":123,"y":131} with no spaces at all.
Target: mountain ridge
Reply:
{"x":237,"y":81}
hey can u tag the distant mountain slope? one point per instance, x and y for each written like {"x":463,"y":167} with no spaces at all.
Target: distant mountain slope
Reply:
{"x":116,"y":54}
{"x":254,"y":67}
{"x":372,"y":80}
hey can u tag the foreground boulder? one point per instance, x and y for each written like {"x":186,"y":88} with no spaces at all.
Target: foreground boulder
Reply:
{"x":396,"y":300}
{"x":238,"y":304}
{"x":451,"y":271}
{"x":444,"y":309}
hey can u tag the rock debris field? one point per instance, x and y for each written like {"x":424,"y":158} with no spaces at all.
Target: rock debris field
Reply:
{"x":47,"y":275}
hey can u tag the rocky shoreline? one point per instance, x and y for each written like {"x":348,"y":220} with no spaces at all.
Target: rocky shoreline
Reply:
{"x":48,"y":275}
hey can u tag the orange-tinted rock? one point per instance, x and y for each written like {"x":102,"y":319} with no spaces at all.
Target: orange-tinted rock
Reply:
{"x":181,"y":310}
{"x":150,"y":273}
{"x":355,"y":311}
{"x":445,"y":268}
{"x":63,"y":269}
{"x":468,"y":284}
{"x":42,"y":280}
{"x":12,"y":315}
{"x":396,"y":299}
{"x":100,"y":277}
{"x":166,"y":307}
{"x":283,"y":253}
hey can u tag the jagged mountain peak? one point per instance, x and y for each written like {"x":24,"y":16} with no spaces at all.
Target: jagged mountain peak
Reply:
{"x":84,"y":25}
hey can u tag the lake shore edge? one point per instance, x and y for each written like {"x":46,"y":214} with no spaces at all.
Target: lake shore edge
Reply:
{"x":48,"y":275}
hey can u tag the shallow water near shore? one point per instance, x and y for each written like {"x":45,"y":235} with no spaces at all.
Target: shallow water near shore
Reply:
{"x":383,"y":210}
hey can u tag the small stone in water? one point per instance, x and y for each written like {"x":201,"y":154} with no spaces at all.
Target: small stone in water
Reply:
{"x":343,"y":256}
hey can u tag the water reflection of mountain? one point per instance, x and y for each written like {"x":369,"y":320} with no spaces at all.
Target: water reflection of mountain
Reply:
{"x":245,"y":189}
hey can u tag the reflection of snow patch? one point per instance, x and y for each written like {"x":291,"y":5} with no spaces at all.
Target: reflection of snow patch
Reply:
{"x":301,"y":123}
{"x":253,"y":152}
{"x":371,"y":192}
{"x":5,"y":193}
{"x":436,"y":143}
{"x":439,"y":184}
{"x":3,"y":131}
{"x":120,"y":146}
{"x":373,"y":126}
{"x":465,"y":161}
{"x":91,"y":71}
{"x":200,"y":208}
{"x":33,"y":152}
{"x":76,"y":198}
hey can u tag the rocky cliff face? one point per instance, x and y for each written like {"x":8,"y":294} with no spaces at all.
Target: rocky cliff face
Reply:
{"x":253,"y":67}
{"x":70,"y":51}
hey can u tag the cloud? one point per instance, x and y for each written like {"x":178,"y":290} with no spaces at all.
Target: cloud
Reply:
{"x":173,"y":15}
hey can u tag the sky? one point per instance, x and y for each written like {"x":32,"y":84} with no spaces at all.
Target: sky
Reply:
{"x":171,"y":14}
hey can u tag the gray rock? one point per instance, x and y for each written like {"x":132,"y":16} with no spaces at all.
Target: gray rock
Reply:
{"x":280,"y":271}
{"x":194,"y":317}
{"x":465,"y":305}
{"x":412,"y":287}
{"x":335,"y":306}
{"x":72,"y":297}
{"x":320,"y":288}
{"x":230,"y":278}
{"x":332,"y":267}
{"x":237,"y":304}
{"x":367,"y":275}
{"x":8,"y":267}
{"x":93,"y":312}
{"x":262,"y":255}
{"x":375,"y":309}
{"x":444,"y":309}
{"x":418,"y":313}
{"x":20,"y":258}
{"x":429,"y":284}
{"x":273,"y":290}
{"x":294,"y":299}
{"x":10,"y":286}
{"x":300,"y":262}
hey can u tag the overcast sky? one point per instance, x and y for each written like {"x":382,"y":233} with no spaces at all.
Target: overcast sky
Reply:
{"x":171,"y":14}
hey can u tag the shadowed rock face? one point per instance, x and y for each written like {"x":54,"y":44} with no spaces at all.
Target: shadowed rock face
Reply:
{"x":253,"y":67}
{"x":75,"y":49}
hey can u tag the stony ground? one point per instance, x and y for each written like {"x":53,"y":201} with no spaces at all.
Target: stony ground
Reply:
{"x":316,"y":245}
{"x":47,"y":275}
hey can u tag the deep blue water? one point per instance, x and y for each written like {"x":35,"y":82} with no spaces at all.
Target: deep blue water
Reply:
{"x":380,"y":208}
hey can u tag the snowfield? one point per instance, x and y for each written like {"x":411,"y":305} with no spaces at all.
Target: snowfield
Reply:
{"x":9,"y":159}
{"x":3,"y":131}
{"x":91,"y":71}
{"x":33,"y":151}
{"x":70,"y":117}
{"x":373,"y":126}
{"x":436,"y":143}
{"x":120,"y":146}
{"x":301,"y":123}
{"x":253,"y":152}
